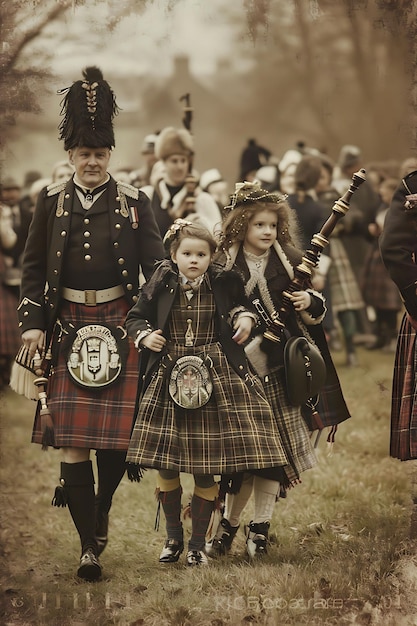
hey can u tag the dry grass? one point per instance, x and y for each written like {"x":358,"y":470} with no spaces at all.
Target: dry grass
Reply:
{"x":338,"y":546}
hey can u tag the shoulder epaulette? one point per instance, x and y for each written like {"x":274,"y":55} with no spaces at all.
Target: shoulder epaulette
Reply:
{"x":127,"y":190}
{"x":55,"y":188}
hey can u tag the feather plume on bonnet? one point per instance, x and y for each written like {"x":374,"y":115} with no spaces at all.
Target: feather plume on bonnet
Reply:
{"x":88,"y":107}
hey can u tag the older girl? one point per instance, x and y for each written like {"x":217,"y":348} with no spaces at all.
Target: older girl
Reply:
{"x":257,"y":241}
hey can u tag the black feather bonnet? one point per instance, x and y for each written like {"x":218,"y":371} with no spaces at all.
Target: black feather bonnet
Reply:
{"x":88,"y":107}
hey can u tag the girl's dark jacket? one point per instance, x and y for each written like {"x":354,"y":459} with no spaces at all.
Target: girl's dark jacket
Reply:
{"x":331,"y":406}
{"x":153,"y":309}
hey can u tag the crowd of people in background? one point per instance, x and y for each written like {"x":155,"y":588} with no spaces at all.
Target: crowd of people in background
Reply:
{"x":363,"y":304}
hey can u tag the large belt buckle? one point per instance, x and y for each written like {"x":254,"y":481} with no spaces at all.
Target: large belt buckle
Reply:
{"x":90,"y":298}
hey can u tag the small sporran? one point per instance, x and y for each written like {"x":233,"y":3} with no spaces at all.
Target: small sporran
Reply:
{"x":305,"y":370}
{"x":96,"y":355}
{"x":190,"y":384}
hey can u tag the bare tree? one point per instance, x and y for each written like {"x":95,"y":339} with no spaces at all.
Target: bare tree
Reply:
{"x":22,"y":22}
{"x":332,"y":72}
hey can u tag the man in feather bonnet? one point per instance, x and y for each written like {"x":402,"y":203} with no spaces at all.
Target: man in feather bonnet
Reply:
{"x":89,"y":239}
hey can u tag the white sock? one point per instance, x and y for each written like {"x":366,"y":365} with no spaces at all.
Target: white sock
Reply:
{"x":265,"y":492}
{"x":236,"y":502}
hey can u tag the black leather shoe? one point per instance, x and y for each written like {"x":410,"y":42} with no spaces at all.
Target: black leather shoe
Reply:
{"x":222,"y":542}
{"x":257,"y":539}
{"x":90,"y":568}
{"x":171,"y":551}
{"x":196,"y":557}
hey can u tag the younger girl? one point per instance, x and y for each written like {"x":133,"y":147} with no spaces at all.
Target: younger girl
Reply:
{"x":257,"y":241}
{"x":201,"y":409}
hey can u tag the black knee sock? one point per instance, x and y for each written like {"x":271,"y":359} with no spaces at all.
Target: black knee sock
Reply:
{"x":79,"y":488}
{"x":111,"y":468}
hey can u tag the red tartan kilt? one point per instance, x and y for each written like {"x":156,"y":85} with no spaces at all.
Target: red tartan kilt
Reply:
{"x":92,"y":418}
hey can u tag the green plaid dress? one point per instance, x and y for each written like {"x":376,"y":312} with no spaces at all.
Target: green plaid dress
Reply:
{"x":235,"y":431}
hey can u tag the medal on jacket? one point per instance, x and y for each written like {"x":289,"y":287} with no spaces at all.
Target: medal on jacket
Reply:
{"x":88,"y":201}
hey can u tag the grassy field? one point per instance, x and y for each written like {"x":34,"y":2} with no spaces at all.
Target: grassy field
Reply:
{"x":340,"y":549}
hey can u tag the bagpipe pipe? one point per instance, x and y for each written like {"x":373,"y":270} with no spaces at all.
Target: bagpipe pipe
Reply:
{"x":305,"y":368}
{"x":190,"y":180}
{"x":304,"y":271}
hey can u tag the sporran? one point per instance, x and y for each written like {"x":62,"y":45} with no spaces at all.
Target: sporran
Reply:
{"x":190,"y":385}
{"x":96,"y":355}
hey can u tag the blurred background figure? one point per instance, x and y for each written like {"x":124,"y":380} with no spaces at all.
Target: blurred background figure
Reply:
{"x":61,"y":171}
{"x":35,"y":190}
{"x":123,"y":175}
{"x":252,"y":158}
{"x":345,"y":294}
{"x":269,"y":177}
{"x":30,"y":177}
{"x":174,"y":193}
{"x":287,"y":166}
{"x":354,"y":232}
{"x":311,"y":215}
{"x":21,"y":216}
{"x":213,"y":183}
{"x":142,"y":176}
{"x":9,"y":330}
{"x":379,"y":291}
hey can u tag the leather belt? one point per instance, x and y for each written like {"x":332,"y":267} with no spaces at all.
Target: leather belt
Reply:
{"x":92,"y":297}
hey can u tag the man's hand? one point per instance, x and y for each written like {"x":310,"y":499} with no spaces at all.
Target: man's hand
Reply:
{"x":33,"y":339}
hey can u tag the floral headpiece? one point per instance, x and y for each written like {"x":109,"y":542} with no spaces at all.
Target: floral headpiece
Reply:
{"x":253,"y":192}
{"x":175,"y":229}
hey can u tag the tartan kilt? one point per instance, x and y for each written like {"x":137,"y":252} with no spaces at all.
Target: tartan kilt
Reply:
{"x":345,"y":291}
{"x":292,"y":427}
{"x":403,"y":444}
{"x":91,"y":418}
{"x":235,"y":431}
{"x":10,"y":339}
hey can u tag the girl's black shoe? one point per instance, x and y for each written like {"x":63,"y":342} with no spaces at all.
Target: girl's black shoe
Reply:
{"x":171,"y":551}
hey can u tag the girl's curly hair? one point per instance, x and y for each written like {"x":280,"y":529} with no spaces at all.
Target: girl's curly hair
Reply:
{"x":250,"y":199}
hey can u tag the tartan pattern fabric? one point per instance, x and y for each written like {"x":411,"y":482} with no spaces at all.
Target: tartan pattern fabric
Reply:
{"x":378,"y":289}
{"x":10,"y":340}
{"x":344,"y":288}
{"x":403,"y":443}
{"x":233,"y":432}
{"x":292,"y":427}
{"x":97,"y":418}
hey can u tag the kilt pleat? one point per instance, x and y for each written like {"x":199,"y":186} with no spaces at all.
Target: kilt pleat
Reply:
{"x":91,"y":418}
{"x":403,"y":443}
{"x":292,"y":427}
{"x":344,"y":288}
{"x":235,"y":431}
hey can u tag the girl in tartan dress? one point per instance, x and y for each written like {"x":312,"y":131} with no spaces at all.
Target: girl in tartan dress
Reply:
{"x":257,"y":241}
{"x":191,"y":308}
